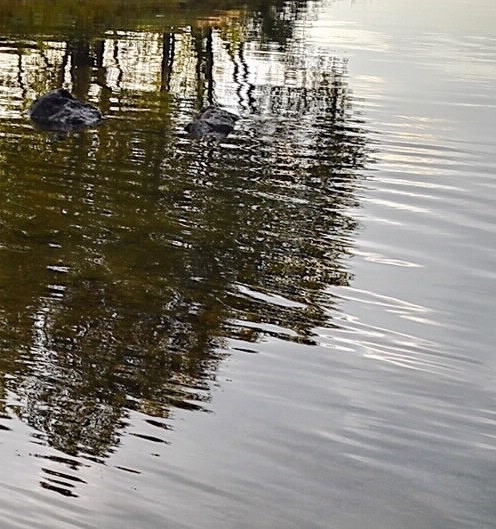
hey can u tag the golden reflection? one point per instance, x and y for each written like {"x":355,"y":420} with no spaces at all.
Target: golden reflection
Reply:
{"x":130,"y":255}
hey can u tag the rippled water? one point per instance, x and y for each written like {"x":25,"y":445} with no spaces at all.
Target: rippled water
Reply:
{"x":289,"y":328}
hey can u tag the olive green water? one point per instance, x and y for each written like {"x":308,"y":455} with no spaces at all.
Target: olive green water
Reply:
{"x":140,"y":268}
{"x":127,"y":250}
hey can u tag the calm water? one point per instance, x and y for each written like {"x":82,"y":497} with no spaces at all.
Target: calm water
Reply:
{"x":292,"y":328}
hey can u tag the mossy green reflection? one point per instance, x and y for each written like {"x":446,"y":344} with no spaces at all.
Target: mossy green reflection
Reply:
{"x":130,"y":254}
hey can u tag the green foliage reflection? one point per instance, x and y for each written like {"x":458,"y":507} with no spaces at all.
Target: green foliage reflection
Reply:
{"x":130,"y":254}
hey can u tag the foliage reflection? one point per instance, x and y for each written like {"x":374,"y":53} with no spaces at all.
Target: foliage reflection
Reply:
{"x":130,"y":254}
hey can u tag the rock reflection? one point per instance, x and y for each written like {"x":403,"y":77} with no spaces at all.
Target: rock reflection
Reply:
{"x":142,"y":252}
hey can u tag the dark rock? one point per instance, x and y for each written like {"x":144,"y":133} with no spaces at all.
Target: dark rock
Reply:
{"x":61,"y":111}
{"x":213,"y":122}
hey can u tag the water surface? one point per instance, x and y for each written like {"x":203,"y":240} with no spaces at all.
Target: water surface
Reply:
{"x":291,"y":327}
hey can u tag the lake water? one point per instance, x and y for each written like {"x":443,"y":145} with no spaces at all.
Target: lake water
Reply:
{"x":290,"y":328}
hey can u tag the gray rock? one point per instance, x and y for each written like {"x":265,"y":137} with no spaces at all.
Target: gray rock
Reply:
{"x":213,"y":121}
{"x":61,"y":111}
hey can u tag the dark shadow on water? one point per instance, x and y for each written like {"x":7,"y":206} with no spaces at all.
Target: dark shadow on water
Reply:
{"x":131,"y":254}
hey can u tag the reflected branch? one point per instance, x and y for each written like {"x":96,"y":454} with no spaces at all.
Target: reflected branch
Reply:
{"x":143,"y":252}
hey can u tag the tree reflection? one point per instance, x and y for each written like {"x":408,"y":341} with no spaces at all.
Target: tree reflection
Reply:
{"x":141,"y":252}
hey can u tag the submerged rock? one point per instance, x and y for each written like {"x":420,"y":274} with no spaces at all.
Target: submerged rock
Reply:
{"x":61,"y":111}
{"x":213,"y":121}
